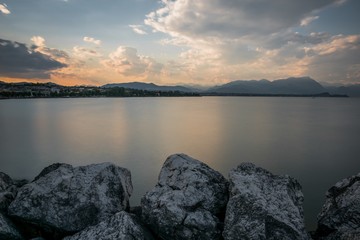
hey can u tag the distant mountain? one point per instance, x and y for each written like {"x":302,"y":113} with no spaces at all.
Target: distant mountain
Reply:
{"x":296,"y":86}
{"x":289,"y":86}
{"x":350,"y":90}
{"x":149,"y":87}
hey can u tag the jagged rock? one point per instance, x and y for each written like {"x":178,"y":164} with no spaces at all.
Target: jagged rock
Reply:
{"x":340,"y":215}
{"x":7,"y":191}
{"x":186,"y":201}
{"x":5,"y":199}
{"x":120,"y":226}
{"x":263,"y":206}
{"x":8,"y":230}
{"x":51,"y":168}
{"x":5,"y":182}
{"x":68,"y":199}
{"x":21,"y":182}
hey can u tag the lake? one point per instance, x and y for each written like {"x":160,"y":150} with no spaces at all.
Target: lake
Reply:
{"x":315,"y":140}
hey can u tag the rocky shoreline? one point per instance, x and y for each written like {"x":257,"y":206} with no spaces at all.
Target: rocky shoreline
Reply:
{"x":190,"y":201}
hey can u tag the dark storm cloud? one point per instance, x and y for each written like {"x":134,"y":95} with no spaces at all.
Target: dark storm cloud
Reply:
{"x":19,"y":61}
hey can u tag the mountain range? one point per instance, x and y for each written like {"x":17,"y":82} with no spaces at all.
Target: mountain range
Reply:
{"x":149,"y":87}
{"x":289,"y":86}
{"x":293,"y":86}
{"x":350,"y":90}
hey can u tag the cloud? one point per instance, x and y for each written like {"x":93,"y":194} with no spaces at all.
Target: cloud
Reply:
{"x":231,"y":18}
{"x":337,"y":59}
{"x":38,"y":41}
{"x":92,"y":40}
{"x":232,"y":39}
{"x":4,"y":9}
{"x":340,"y":2}
{"x":324,"y":57}
{"x":56,"y":54}
{"x":85,"y":52}
{"x":306,"y":21}
{"x":138,"y":30}
{"x":127,"y":61}
{"x":281,"y":39}
{"x":19,"y":61}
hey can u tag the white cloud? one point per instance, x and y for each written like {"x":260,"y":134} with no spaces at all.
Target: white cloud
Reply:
{"x":38,"y":41}
{"x":56,"y":54}
{"x":83,"y":53}
{"x":4,"y":9}
{"x":92,"y":40}
{"x":127,"y":61}
{"x":337,"y":44}
{"x":138,"y":29}
{"x":306,"y":21}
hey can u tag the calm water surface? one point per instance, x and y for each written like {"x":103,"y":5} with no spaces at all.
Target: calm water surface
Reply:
{"x":317,"y":141}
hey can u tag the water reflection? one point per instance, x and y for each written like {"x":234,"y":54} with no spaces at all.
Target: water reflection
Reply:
{"x":314,"y":140}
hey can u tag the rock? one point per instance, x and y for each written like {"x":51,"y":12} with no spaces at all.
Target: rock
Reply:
{"x":21,"y":182}
{"x":137,"y":211}
{"x":7,"y":191}
{"x":51,"y":168}
{"x":122,"y":225}
{"x":8,"y":230}
{"x":263,"y":206}
{"x":5,"y":182}
{"x":68,"y":199}
{"x":5,"y":200}
{"x":186,"y":201}
{"x":340,"y":215}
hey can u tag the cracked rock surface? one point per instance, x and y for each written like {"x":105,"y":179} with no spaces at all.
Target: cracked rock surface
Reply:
{"x":187,"y":200}
{"x":340,"y":215}
{"x":263,"y":206}
{"x":68,"y":199}
{"x":122,"y":225}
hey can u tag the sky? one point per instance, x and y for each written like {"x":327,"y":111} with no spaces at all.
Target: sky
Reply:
{"x":169,"y":42}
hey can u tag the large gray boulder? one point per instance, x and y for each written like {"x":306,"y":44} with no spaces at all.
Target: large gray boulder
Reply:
{"x":122,"y":225}
{"x":68,"y":199}
{"x":263,"y":206}
{"x":8,"y":230}
{"x":340,"y":215}
{"x":186,"y":201}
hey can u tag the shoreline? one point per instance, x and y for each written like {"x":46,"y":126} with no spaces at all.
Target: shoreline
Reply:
{"x":322,"y":95}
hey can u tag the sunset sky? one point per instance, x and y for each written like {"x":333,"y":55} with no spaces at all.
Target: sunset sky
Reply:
{"x":203,"y":42}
